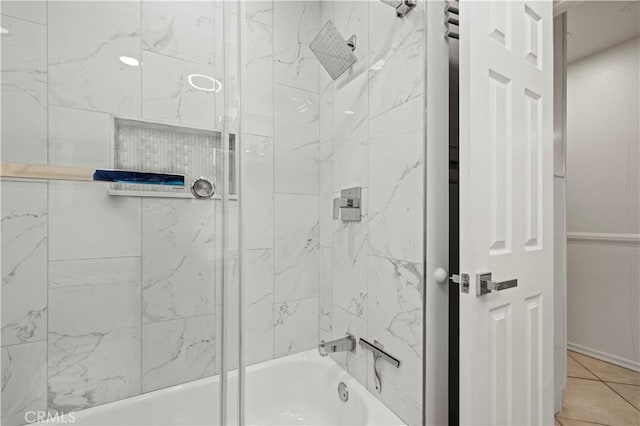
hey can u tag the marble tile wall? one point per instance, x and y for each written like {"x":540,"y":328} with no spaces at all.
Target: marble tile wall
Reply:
{"x":25,"y":214}
{"x":306,"y":276}
{"x":371,"y":135}
{"x":281,"y":179}
{"x":102,"y":297}
{"x":120,"y":289}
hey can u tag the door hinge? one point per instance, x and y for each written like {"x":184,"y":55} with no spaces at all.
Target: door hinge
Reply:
{"x":452,"y":19}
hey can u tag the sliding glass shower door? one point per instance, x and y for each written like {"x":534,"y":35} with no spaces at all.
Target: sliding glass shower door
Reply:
{"x":119,"y":284}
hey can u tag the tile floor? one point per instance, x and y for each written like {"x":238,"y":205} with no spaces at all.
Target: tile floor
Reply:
{"x":599,"y":393}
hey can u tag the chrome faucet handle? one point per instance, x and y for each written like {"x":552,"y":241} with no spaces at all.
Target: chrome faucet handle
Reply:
{"x":344,"y":203}
{"x":349,"y":204}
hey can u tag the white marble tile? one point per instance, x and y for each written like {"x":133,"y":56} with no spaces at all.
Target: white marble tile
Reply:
{"x":80,"y":138}
{"x":24,"y":381}
{"x":326,"y":158}
{"x":351,"y":18}
{"x":350,"y":268}
{"x":351,"y":101}
{"x":233,"y":6}
{"x":297,"y":248}
{"x":94,"y":332}
{"x":396,"y":176}
{"x":257,"y":180}
{"x":86,"y":40}
{"x":233,"y":223}
{"x":34,"y":11}
{"x":258,"y":291}
{"x":180,"y":29}
{"x":168,"y":96}
{"x":296,"y":24}
{"x":326,"y":193}
{"x":395,"y":319}
{"x":396,"y":58}
{"x":85,"y":222}
{"x":259,"y":87}
{"x":326,"y":11}
{"x":178,"y":258}
{"x":327,"y":88}
{"x":325,"y":294}
{"x":296,"y":326}
{"x":227,"y":50}
{"x":297,"y":139}
{"x":177,"y":351}
{"x":356,"y":364}
{"x":24,"y":261}
{"x":259,"y":11}
{"x":94,"y":295}
{"x":231,"y":284}
{"x":350,"y":133}
{"x":24,"y":91}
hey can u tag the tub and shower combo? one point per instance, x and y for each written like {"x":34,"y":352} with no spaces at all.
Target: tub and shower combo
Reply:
{"x":212,"y":212}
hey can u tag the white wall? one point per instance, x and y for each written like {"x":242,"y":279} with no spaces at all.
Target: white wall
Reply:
{"x":603,"y":288}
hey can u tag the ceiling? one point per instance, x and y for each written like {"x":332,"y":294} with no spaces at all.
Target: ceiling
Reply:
{"x":596,"y":25}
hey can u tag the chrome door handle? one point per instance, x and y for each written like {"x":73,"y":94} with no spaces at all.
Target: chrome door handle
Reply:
{"x":484,"y":285}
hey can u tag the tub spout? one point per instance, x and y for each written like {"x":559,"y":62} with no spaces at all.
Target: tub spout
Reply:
{"x":347,"y":343}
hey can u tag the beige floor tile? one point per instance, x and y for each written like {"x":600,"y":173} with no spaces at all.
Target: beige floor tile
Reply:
{"x":607,"y":372}
{"x":571,"y":422}
{"x":575,"y":369}
{"x":593,"y":401}
{"x":629,"y":392}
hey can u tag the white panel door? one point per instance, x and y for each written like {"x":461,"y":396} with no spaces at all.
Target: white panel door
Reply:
{"x":506,"y":211}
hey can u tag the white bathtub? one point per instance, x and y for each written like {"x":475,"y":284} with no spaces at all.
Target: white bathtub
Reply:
{"x":300,"y":389}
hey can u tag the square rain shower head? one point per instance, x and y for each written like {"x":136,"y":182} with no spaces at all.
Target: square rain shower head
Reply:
{"x":333,"y":52}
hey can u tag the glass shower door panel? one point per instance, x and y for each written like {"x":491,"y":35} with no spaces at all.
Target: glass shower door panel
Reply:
{"x":112,"y":290}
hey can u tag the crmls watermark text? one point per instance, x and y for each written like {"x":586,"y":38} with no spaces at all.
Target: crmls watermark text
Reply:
{"x":47,"y":417}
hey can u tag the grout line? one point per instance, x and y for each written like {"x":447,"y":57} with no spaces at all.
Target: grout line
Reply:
{"x":583,"y":421}
{"x":295,"y":193}
{"x":95,"y":258}
{"x":603,"y":382}
{"x":583,"y":366}
{"x":598,"y":377}
{"x":12,"y":345}
{"x":273,"y":178}
{"x":620,"y":395}
{"x":584,"y":378}
{"x":179,"y":318}
{"x":19,"y":18}
{"x":295,"y":88}
{"x":46,"y":361}
{"x":294,"y":300}
{"x":619,"y":383}
{"x":177,"y":58}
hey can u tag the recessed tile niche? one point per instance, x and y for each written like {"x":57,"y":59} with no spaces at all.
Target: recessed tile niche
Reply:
{"x":162,"y":148}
